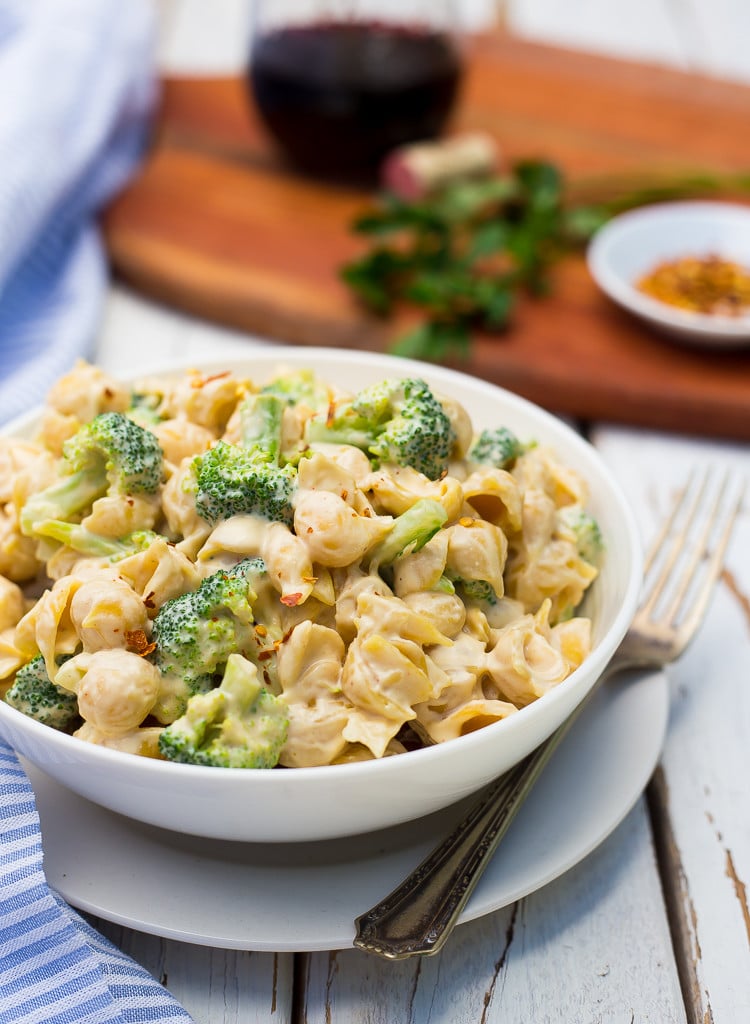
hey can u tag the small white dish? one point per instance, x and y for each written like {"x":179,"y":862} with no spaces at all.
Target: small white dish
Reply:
{"x":634,"y":243}
{"x":305,"y":896}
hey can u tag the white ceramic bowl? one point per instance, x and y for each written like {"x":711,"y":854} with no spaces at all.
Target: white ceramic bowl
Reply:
{"x":316,"y":803}
{"x":631,"y":245}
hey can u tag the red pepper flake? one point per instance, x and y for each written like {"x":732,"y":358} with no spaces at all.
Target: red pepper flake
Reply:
{"x":261,"y":630}
{"x":292,"y":600}
{"x":344,"y":495}
{"x":138,"y":642}
{"x":199,"y":381}
{"x":148,"y":600}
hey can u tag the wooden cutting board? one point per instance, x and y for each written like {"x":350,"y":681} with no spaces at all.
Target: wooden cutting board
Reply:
{"x":216,"y":225}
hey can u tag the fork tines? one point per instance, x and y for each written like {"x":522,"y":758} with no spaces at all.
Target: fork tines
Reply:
{"x":696,"y":534}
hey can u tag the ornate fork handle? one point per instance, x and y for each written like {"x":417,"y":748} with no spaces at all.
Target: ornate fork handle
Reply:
{"x":418,"y":916}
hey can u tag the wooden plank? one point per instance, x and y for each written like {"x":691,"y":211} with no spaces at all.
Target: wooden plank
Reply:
{"x":231,"y":986}
{"x":565,"y":953}
{"x":700,"y":796}
{"x":217,"y":226}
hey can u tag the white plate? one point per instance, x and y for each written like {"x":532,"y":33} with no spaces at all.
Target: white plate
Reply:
{"x":632,"y":244}
{"x":306,"y":896}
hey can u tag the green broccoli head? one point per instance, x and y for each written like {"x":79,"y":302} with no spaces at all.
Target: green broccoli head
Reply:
{"x":110,"y":454}
{"x":114,"y":445}
{"x":34,"y":694}
{"x":499,"y":447}
{"x":395,"y":421}
{"x":585,"y":532}
{"x":196,"y":633}
{"x":230,"y":480}
{"x":238,"y":724}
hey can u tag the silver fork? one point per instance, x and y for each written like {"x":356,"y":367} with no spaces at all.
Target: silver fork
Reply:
{"x":680,"y":572}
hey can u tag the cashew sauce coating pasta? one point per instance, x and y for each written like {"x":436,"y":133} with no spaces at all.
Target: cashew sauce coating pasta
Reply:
{"x":222,"y":571}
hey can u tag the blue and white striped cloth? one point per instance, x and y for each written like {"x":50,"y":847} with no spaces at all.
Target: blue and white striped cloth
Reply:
{"x":55,"y":968}
{"x":77,"y":85}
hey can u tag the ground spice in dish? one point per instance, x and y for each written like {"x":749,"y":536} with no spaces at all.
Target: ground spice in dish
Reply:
{"x":705,"y":284}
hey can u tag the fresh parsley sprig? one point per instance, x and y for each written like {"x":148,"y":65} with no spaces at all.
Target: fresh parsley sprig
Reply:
{"x":464,"y":255}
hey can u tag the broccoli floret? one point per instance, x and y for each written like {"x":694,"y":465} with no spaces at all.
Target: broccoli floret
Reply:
{"x":85,"y":541}
{"x":481,"y":591}
{"x":300,"y":387}
{"x":237,"y":725}
{"x":111,"y":454}
{"x":231,"y":481}
{"x":196,"y":632}
{"x":586,"y":533}
{"x":34,"y":694}
{"x":250,"y":477}
{"x":144,"y":408}
{"x":115,"y":447}
{"x":397,"y":421}
{"x":410,"y":532}
{"x":499,"y":447}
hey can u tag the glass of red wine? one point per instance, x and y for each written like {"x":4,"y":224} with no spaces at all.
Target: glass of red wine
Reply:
{"x":339,"y":85}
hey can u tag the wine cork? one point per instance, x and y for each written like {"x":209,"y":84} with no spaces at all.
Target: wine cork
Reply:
{"x":414,"y":171}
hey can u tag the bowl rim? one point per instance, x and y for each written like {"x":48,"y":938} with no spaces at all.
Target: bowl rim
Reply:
{"x":621,"y":289}
{"x":459,"y":746}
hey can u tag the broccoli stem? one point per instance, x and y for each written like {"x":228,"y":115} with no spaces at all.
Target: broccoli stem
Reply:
{"x":260,"y":426}
{"x":66,"y":498}
{"x":410,"y":532}
{"x":319,"y":430}
{"x":75,"y":536}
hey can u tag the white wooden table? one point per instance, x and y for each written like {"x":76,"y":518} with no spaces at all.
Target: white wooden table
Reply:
{"x":653,"y":926}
